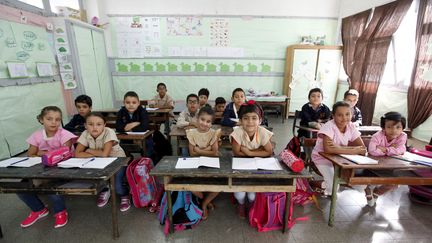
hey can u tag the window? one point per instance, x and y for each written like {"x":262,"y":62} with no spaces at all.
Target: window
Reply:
{"x":36,"y":3}
{"x":63,"y":3}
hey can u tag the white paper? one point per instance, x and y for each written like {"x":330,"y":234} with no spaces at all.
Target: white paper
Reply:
{"x":359,"y":159}
{"x":195,"y":162}
{"x":21,"y":162}
{"x":414,"y":157}
{"x":137,"y":133}
{"x":268,"y":164}
{"x":256,"y":164}
{"x":152,"y":109}
{"x":243,"y":164}
{"x":86,"y":163}
{"x":44,"y":69}
{"x":17,"y":70}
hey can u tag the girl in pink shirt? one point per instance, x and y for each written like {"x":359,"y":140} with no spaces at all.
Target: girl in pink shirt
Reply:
{"x":51,"y":137}
{"x":391,"y":140}
{"x":333,"y":138}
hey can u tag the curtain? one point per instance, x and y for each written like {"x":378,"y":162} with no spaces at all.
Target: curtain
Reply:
{"x":420,"y":89}
{"x":370,"y":54}
{"x":352,"y":28}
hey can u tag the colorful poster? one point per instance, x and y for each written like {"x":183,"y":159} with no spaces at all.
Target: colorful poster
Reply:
{"x":184,"y":26}
{"x":219,"y":33}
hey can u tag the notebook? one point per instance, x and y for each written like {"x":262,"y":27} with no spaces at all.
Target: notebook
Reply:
{"x":196,"y":162}
{"x":137,"y":133}
{"x":359,"y":159}
{"x":151,"y":109}
{"x":21,"y":162}
{"x":86,"y":163}
{"x":415,"y":158}
{"x":256,"y":164}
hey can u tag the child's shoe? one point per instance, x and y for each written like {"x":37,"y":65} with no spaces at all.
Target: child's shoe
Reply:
{"x":61,"y":219}
{"x":125,"y":204}
{"x":241,"y":210}
{"x":34,"y":217}
{"x":103,"y":198}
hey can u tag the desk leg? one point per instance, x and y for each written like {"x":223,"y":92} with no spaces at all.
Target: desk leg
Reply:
{"x":144,"y":147}
{"x":336,"y":179}
{"x":114,"y":208}
{"x":170,"y":216}
{"x":287,"y":215}
{"x":283,"y":113}
{"x":1,"y":232}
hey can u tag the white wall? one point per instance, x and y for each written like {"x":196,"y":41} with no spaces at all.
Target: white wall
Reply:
{"x":350,"y":7}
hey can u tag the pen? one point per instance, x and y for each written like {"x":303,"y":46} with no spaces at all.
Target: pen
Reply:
{"x":90,"y":160}
{"x":263,"y":172}
{"x":19,"y":161}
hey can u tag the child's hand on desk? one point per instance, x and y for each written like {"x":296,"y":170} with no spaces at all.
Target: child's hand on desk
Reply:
{"x":131,"y":125}
{"x":383,"y":149}
{"x":245,"y":150}
{"x":41,"y":152}
{"x":360,"y":150}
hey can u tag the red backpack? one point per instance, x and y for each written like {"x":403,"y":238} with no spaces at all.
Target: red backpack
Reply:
{"x":145,"y":189}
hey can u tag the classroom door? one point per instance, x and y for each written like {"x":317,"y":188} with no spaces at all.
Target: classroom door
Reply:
{"x":93,"y":66}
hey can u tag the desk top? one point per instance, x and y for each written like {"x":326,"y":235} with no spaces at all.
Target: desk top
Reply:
{"x":384,"y":163}
{"x":125,"y":136}
{"x":41,"y":172}
{"x":115,"y":110}
{"x":166,"y":167}
{"x":281,"y":98}
{"x":181,"y":132}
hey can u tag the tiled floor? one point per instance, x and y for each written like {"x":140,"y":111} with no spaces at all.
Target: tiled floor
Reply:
{"x":394,"y":219}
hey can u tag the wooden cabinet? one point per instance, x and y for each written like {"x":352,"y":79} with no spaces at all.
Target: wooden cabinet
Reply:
{"x":307,"y":67}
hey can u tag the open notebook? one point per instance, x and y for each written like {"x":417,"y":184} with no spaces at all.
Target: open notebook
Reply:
{"x":411,"y":157}
{"x":359,"y":159}
{"x":86,"y":163}
{"x":137,"y":133}
{"x":195,"y":162}
{"x":21,"y":162}
{"x":256,"y":164}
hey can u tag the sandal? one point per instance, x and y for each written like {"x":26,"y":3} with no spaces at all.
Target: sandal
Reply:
{"x":211,"y":206}
{"x":370,"y":196}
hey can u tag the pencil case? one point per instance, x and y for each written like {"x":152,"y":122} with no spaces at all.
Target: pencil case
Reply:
{"x":52,"y":158}
{"x":292,"y":161}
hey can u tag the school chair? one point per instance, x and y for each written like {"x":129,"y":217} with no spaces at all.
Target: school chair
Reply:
{"x":296,"y":122}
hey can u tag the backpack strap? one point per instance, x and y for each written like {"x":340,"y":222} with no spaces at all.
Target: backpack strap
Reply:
{"x":291,"y":222}
{"x":193,"y":212}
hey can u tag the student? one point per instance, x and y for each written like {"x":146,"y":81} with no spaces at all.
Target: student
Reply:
{"x":203,"y":95}
{"x":51,"y":137}
{"x":314,"y":113}
{"x":101,"y":141}
{"x":132,"y":117}
{"x":230,"y":115}
{"x":220,"y":104}
{"x":203,"y":141}
{"x":351,"y":97}
{"x":250,"y":140}
{"x":188,"y":118}
{"x":83,"y":104}
{"x":391,"y":140}
{"x":333,"y":138}
{"x":163,"y":101}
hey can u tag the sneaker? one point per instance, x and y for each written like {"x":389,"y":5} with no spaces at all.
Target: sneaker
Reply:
{"x":125,"y":204}
{"x":34,"y":217}
{"x":241,"y":210}
{"x":103,"y":198}
{"x":61,"y":219}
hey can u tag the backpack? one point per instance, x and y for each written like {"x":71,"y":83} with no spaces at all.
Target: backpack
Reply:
{"x":145,"y":189}
{"x":421,"y":194}
{"x":185,"y":210}
{"x":304,"y":193}
{"x":267,"y":212}
{"x":161,"y":147}
{"x":294,"y":146}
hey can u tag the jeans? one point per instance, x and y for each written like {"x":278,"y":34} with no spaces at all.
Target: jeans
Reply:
{"x":35,"y":204}
{"x":121,"y":188}
{"x":185,"y":152}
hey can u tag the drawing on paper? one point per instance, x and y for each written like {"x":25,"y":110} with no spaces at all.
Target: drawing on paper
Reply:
{"x":184,"y":26}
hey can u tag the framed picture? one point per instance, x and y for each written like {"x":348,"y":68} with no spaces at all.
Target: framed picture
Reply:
{"x":44,"y":69}
{"x":17,"y":69}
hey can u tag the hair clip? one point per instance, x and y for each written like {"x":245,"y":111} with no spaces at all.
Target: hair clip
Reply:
{"x":251,"y":102}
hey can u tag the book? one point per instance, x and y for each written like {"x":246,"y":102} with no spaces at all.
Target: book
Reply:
{"x":256,"y":164}
{"x":414,"y":158}
{"x":86,"y":163}
{"x":151,"y":109}
{"x":137,"y":133}
{"x":360,"y":159}
{"x":21,"y":162}
{"x":196,"y":162}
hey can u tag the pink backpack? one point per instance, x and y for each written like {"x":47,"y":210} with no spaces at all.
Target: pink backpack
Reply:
{"x":304,"y":193}
{"x":145,"y":189}
{"x":421,"y":194}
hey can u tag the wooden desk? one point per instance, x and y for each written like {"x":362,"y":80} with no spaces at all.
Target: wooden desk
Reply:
{"x":139,"y":139}
{"x":389,"y":171}
{"x":57,"y":178}
{"x":364,"y":130}
{"x":278,"y":101}
{"x":225,"y":179}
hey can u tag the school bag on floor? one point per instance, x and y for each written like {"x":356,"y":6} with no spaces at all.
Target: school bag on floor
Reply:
{"x":185,"y":210}
{"x":145,"y":189}
{"x":421,"y":194}
{"x":267,"y":212}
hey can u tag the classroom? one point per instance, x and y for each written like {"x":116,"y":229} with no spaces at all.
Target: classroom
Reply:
{"x":216,"y":121}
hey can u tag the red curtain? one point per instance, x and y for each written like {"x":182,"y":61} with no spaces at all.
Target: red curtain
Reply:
{"x":420,"y":89}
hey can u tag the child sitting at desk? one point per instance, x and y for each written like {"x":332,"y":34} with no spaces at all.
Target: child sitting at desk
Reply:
{"x":391,"y":140}
{"x":250,"y":140}
{"x":51,"y":137}
{"x":83,"y":104}
{"x":163,"y":101}
{"x":188,"y":118}
{"x":314,"y":113}
{"x":230,"y":115}
{"x":101,"y":141}
{"x":333,"y":138}
{"x":351,"y":97}
{"x":220,"y":104}
{"x":203,"y":95}
{"x":203,"y":141}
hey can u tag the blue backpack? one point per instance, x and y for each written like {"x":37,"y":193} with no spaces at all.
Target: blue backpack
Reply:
{"x":185,"y":210}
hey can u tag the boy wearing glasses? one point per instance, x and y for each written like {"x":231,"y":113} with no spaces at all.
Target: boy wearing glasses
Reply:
{"x":188,"y":117}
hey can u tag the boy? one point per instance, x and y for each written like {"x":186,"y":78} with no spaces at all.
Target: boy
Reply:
{"x":163,"y":101}
{"x":132,"y":117}
{"x":219,"y":108}
{"x":203,"y":95}
{"x":314,"y":113}
{"x":351,"y":97}
{"x":187,"y":118}
{"x":83,"y":104}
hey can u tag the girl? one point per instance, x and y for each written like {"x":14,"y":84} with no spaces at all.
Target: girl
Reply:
{"x":203,"y":141}
{"x":230,"y":115}
{"x":250,"y":140}
{"x":100,"y":141}
{"x":333,"y":138}
{"x":391,"y":140}
{"x":51,"y":137}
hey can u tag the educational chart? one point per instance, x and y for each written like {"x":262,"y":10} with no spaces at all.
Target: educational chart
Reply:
{"x":138,"y":36}
{"x":219,"y":35}
{"x":184,"y":26}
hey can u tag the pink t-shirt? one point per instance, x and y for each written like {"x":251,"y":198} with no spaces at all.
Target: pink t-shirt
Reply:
{"x":340,"y":139}
{"x":40,"y":140}
{"x":394,"y":147}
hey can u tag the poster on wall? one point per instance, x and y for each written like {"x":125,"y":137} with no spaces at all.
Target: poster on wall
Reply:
{"x":219,"y":32}
{"x":184,"y":26}
{"x":44,"y":69}
{"x":138,"y":36}
{"x":17,"y":69}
